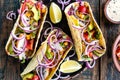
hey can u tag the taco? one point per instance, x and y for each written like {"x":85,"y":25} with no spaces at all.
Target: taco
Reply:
{"x":49,"y":56}
{"x":24,"y":36}
{"x":87,"y":36}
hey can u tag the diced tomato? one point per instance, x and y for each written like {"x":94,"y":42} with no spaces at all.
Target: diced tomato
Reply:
{"x":82,"y":9}
{"x":35,"y":77}
{"x":30,"y":44}
{"x":86,"y":36}
{"x":118,"y":52}
{"x":23,"y":7}
{"x":91,"y":54}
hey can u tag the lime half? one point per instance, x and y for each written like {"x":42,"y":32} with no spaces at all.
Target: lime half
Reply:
{"x":55,"y":13}
{"x":70,"y":66}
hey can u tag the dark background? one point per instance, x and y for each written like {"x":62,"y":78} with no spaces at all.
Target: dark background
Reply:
{"x":104,"y":69}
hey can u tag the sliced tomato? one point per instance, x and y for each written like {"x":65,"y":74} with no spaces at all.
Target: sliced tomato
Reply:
{"x":35,"y":77}
{"x":91,"y":54}
{"x":86,"y":36}
{"x":82,"y":9}
{"x":30,"y":44}
{"x":24,"y":5}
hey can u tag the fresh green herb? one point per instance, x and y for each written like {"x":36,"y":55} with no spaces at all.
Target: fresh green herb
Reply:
{"x":23,"y":61}
{"x":90,"y":27}
{"x":86,"y":17}
{"x":19,"y":30}
{"x":62,"y":44}
{"x":11,"y":49}
{"x":49,"y":55}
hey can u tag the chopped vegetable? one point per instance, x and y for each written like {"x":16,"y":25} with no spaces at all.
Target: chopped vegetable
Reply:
{"x":82,"y":9}
{"x":90,"y":27}
{"x":11,"y":50}
{"x":30,"y":44}
{"x":96,"y":53}
{"x":86,"y":58}
{"x":97,"y":35}
{"x":28,"y":76}
{"x":36,"y":13}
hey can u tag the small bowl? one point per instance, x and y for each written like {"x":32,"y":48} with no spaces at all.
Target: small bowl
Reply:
{"x":107,"y":16}
{"x":115,"y":59}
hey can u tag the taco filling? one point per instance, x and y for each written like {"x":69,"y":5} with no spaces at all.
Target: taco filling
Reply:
{"x":28,"y":27}
{"x":57,"y":46}
{"x":88,"y":39}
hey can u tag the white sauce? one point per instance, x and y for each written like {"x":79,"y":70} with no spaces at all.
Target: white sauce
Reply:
{"x":20,"y":46}
{"x":113,"y":10}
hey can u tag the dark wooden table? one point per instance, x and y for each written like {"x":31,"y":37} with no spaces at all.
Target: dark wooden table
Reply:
{"x":104,"y":68}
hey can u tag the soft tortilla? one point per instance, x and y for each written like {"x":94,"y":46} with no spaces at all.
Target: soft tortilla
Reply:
{"x":33,"y":63}
{"x":37,"y":37}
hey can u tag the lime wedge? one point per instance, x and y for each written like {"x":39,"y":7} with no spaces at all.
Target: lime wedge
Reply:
{"x":55,"y":13}
{"x":70,"y":66}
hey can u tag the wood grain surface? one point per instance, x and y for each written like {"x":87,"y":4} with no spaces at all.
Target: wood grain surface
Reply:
{"x":104,"y":69}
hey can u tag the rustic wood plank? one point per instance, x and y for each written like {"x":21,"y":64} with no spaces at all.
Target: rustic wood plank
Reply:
{"x":108,"y":70}
{"x":9,"y":68}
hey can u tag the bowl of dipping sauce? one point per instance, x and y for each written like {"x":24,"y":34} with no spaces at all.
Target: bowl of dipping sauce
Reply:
{"x":112,"y":11}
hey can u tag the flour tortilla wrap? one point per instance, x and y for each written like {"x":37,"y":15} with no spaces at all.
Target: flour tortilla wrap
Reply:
{"x":15,"y":28}
{"x":39,"y":54}
{"x":76,"y":33}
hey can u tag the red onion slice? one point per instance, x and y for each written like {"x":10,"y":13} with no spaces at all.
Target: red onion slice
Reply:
{"x":47,"y":64}
{"x":11,"y":15}
{"x":56,"y":63}
{"x":90,"y":64}
{"x":39,"y":72}
{"x":53,"y":42}
{"x":58,"y":76}
{"x":16,"y":50}
{"x":17,"y":38}
{"x":63,"y":3}
{"x":27,"y":31}
{"x":92,"y":47}
{"x":88,"y":43}
{"x":49,"y":24}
